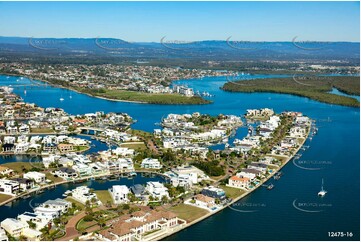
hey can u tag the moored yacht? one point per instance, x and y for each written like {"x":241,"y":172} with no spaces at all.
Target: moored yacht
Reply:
{"x":323,"y":192}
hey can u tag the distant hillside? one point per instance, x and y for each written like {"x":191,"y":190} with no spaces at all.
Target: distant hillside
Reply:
{"x":204,"y":50}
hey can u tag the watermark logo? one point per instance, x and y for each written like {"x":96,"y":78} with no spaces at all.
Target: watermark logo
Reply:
{"x":244,"y":207}
{"x":112,"y":44}
{"x":312,"y":165}
{"x":176,"y":44}
{"x":35,"y":162}
{"x":308,"y":79}
{"x":324,"y":120}
{"x":46,"y":44}
{"x":236,"y":79}
{"x":310,"y":207}
{"x":35,"y":205}
{"x":308,"y":44}
{"x":243,"y":45}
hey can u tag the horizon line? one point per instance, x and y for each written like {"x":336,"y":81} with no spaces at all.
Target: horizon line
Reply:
{"x":189,"y":41}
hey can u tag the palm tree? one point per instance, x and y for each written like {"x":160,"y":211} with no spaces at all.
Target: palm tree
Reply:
{"x":101,"y":222}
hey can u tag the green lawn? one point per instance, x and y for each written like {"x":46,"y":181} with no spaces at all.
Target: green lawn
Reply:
{"x":42,"y":130}
{"x":104,"y":196}
{"x":4,"y":197}
{"x":53,"y":178}
{"x":82,"y":225}
{"x":146,"y":97}
{"x":188,"y":212}
{"x":81,"y":148}
{"x":82,"y":206}
{"x":280,"y":158}
{"x":18,"y":166}
{"x":232,"y":192}
{"x":140,"y":146}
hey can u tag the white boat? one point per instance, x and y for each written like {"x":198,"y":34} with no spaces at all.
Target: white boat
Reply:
{"x":61,"y":99}
{"x":65,"y":194}
{"x":132,"y":174}
{"x":323,"y":192}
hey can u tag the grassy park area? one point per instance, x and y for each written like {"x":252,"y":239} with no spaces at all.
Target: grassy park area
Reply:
{"x":188,"y":212}
{"x":154,"y":98}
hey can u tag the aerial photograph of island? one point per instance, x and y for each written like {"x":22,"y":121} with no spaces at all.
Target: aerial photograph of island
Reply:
{"x":179,"y":121}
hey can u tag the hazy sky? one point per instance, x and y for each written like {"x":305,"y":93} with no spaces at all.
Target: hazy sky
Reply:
{"x":183,"y":21}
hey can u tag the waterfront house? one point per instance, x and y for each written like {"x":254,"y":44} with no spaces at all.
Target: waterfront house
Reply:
{"x":82,"y":169}
{"x":9,"y":187}
{"x":265,"y":112}
{"x":59,"y":204}
{"x":182,"y":180}
{"x":157,"y":190}
{"x":16,"y":228}
{"x":11,"y":130}
{"x":83,"y":194}
{"x":157,"y":132}
{"x":297,"y":131}
{"x":119,"y":194}
{"x":123,"y":151}
{"x":25,"y":184}
{"x":65,"y":148}
{"x":98,"y":168}
{"x":24,"y":129}
{"x":250,"y":173}
{"x":39,"y":220}
{"x":47,"y":212}
{"x":214,"y":192}
{"x":258,"y":166}
{"x":38,"y":177}
{"x":65,"y":162}
{"x":149,"y":163}
{"x":21,"y":147}
{"x":5,"y":171}
{"x":140,"y":224}
{"x":265,"y":132}
{"x":288,"y":143}
{"x":50,"y":148}
{"x":204,"y":201}
{"x":267,"y":160}
{"x":13,"y":227}
{"x":138,"y":190}
{"x":239,"y":182}
{"x":65,"y":173}
{"x":195,"y":175}
{"x":125,"y":164}
{"x":9,"y":140}
{"x":302,"y":120}
{"x":8,"y":147}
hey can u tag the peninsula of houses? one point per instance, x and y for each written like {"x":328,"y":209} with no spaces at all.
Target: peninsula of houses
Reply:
{"x":196,"y":180}
{"x":135,"y":83}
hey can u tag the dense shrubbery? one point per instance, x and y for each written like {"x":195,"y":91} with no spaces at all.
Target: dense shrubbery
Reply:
{"x":317,"y":88}
{"x":211,"y":168}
